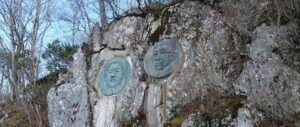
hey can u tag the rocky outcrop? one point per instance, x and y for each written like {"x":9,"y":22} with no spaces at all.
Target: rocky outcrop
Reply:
{"x":68,"y":103}
{"x":229,"y":76}
{"x":268,"y":79}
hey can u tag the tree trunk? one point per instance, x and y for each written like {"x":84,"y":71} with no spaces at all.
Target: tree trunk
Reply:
{"x":104,"y":23}
{"x":13,"y":58}
{"x":36,"y":25}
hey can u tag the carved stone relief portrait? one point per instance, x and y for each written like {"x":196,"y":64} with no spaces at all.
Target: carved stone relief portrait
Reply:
{"x":114,"y":76}
{"x":163,"y":58}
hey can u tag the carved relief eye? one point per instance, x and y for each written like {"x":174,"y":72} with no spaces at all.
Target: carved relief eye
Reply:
{"x":163,"y":51}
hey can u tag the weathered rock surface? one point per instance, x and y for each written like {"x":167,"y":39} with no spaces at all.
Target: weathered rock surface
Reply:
{"x":225,"y":77}
{"x":68,"y":104}
{"x":269,"y":78}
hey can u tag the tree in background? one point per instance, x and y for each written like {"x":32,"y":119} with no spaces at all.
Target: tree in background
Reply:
{"x":81,"y":15}
{"x":23,"y":25}
{"x":58,"y":55}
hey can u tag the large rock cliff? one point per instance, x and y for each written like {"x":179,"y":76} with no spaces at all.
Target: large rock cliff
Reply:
{"x":232,"y":73}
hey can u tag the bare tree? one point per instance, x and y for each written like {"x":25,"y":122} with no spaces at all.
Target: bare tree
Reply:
{"x":24,"y":24}
{"x":1,"y":74}
{"x":79,"y":15}
{"x":83,"y":14}
{"x":103,"y":19}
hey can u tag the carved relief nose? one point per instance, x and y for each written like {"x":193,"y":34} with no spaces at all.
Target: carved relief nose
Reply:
{"x":157,"y":57}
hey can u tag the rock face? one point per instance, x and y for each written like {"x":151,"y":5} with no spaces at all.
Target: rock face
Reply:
{"x":225,"y":76}
{"x":269,"y":78}
{"x":68,"y":104}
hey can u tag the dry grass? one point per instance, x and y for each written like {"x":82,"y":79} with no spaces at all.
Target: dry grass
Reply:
{"x":23,"y":115}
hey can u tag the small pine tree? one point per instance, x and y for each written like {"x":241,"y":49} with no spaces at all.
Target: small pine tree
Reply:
{"x":58,"y":55}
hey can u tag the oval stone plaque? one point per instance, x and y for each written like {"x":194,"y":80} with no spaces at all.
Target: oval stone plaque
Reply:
{"x":114,"y":76}
{"x":163,"y":58}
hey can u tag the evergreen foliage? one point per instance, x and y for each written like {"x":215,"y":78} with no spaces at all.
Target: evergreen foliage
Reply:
{"x":58,"y":55}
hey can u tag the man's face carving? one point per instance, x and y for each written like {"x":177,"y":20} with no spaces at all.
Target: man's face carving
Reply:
{"x":162,"y":56}
{"x":114,"y":75}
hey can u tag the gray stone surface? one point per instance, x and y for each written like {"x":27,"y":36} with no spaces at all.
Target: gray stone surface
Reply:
{"x":163,"y":58}
{"x":244,"y":15}
{"x":267,"y":78}
{"x":247,"y":118}
{"x":68,"y":104}
{"x":96,"y":37}
{"x":122,"y":34}
{"x":244,"y":118}
{"x":212,"y":51}
{"x":194,"y":120}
